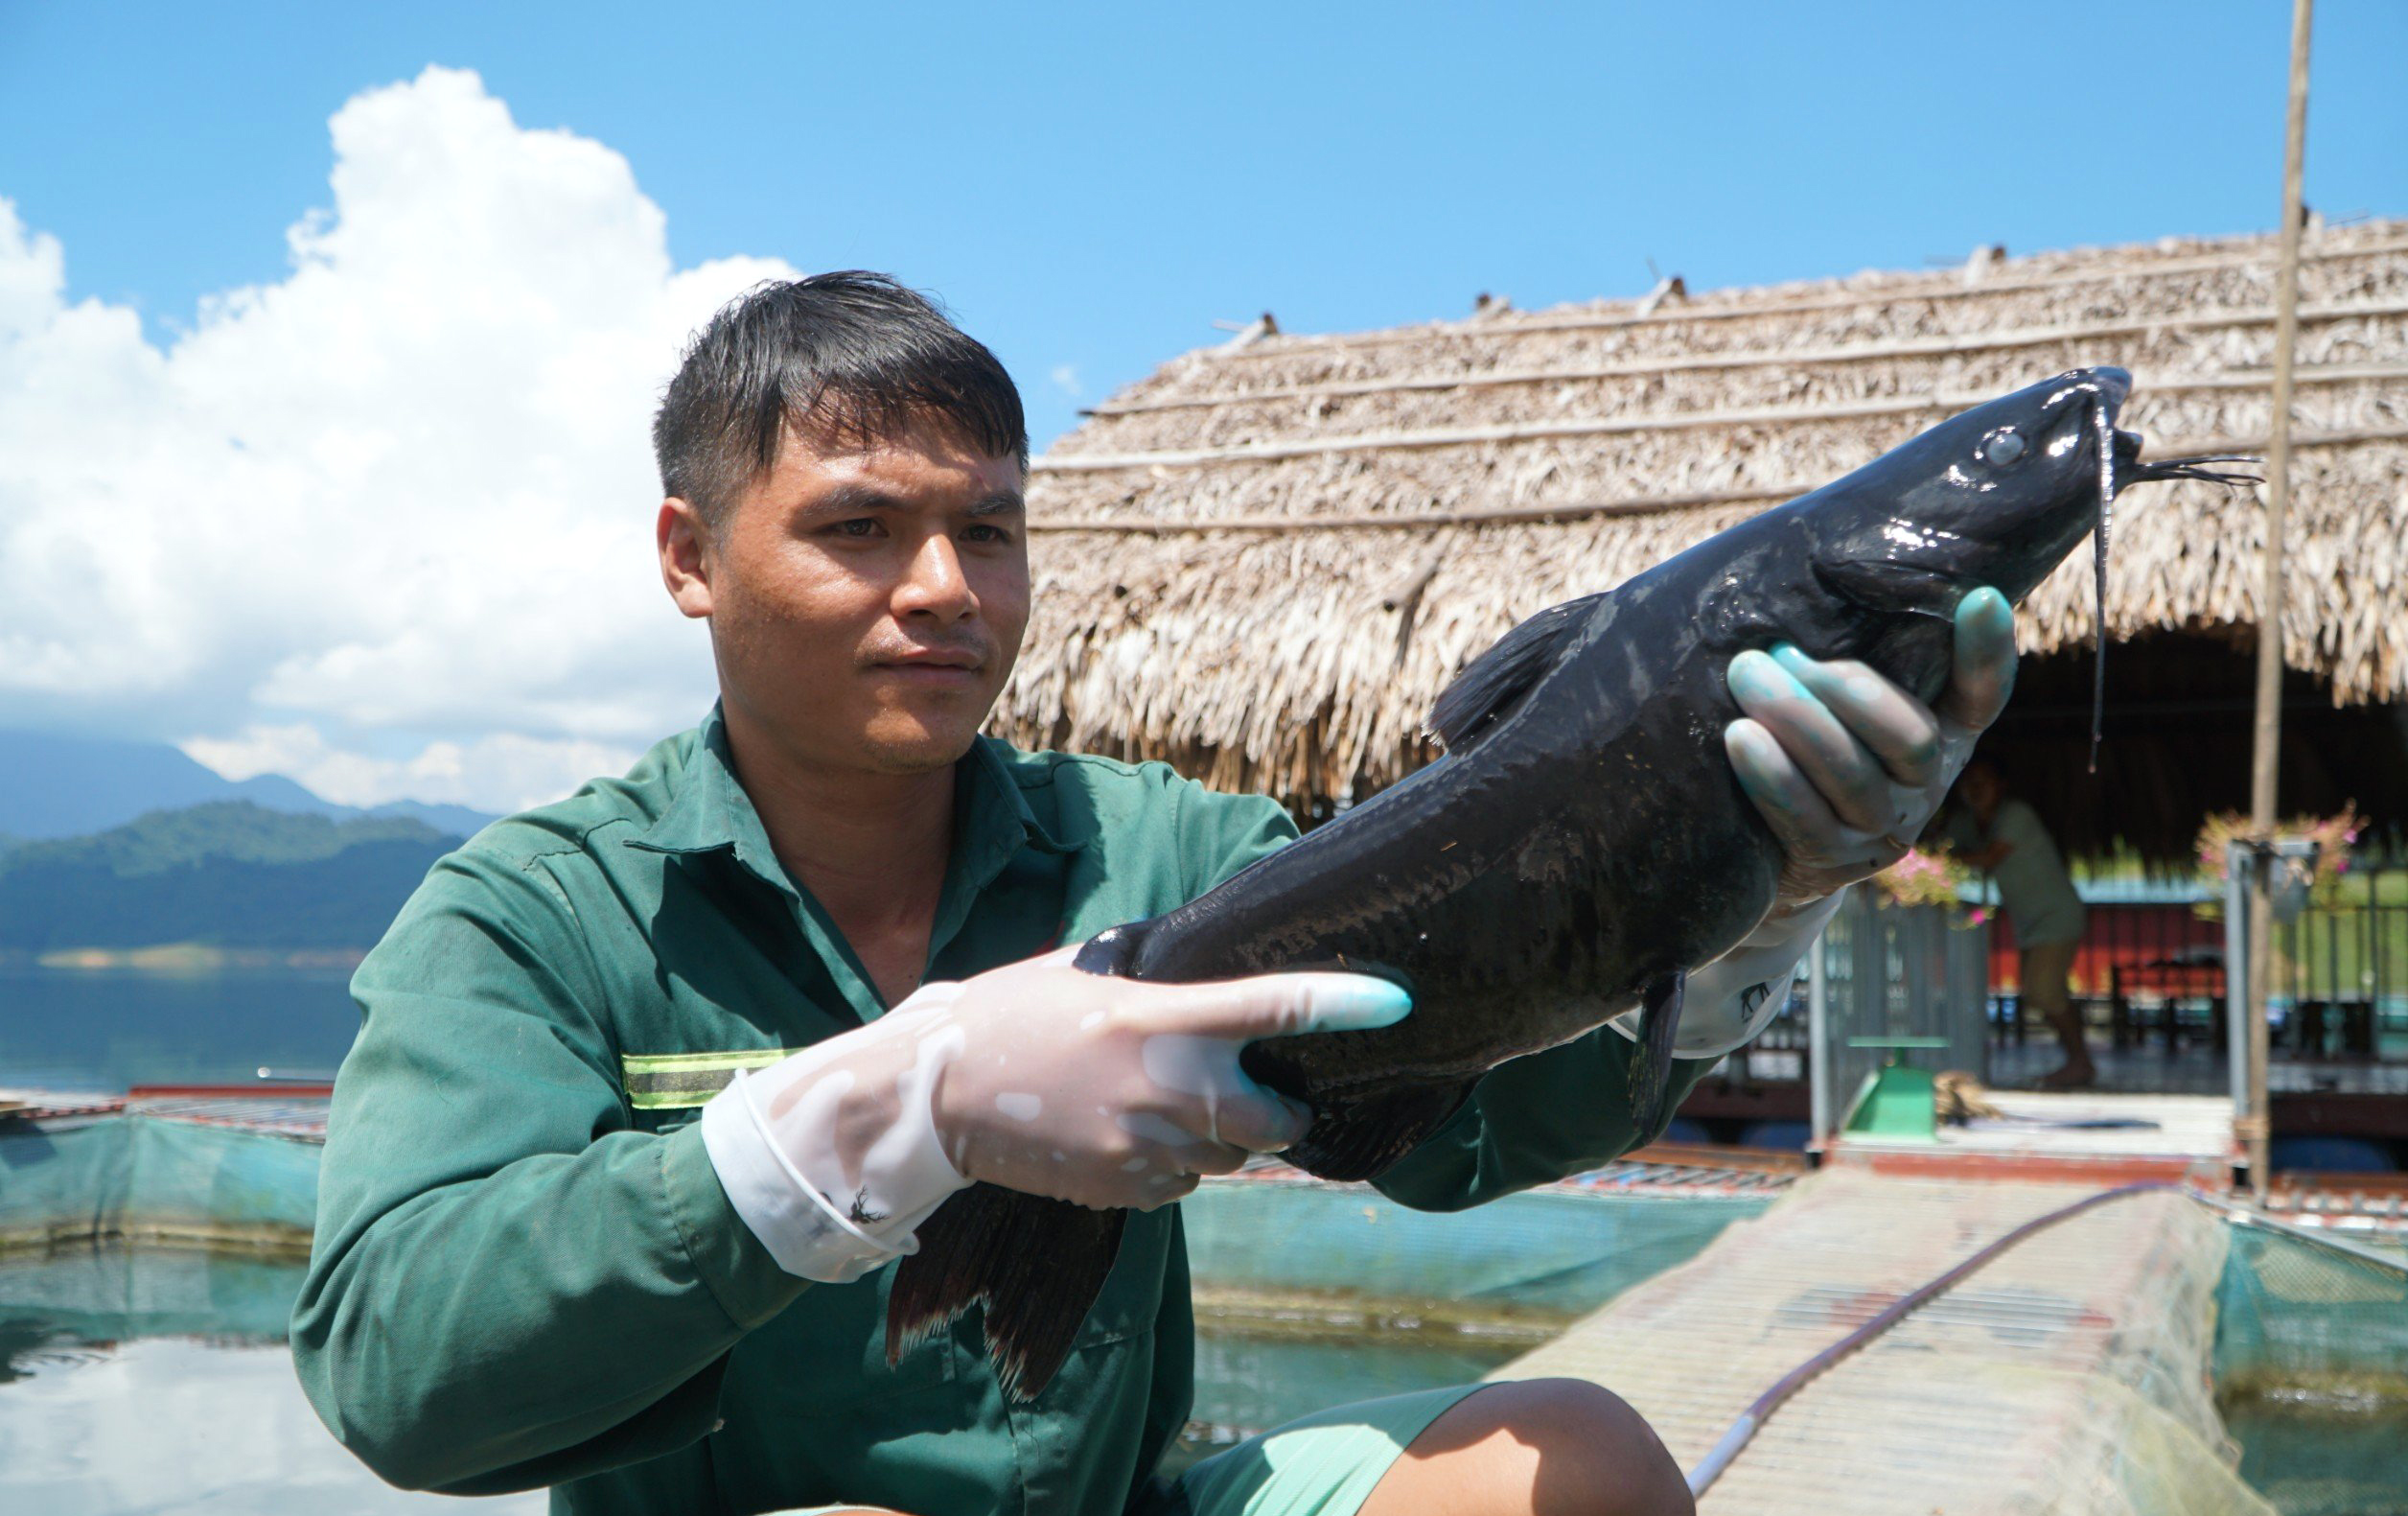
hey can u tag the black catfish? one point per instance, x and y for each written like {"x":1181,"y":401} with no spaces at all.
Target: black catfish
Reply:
{"x":1582,"y":844}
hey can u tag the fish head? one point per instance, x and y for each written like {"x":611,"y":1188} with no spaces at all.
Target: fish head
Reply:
{"x":1995,"y":495}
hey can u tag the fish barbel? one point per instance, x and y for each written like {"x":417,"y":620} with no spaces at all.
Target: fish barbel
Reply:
{"x":1583,"y":843}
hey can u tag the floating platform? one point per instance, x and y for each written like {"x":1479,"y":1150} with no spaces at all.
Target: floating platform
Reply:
{"x":2070,"y":1374}
{"x":2081,"y":1135}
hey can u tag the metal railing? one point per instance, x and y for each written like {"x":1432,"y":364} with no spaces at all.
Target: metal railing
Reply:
{"x":2341,"y":971}
{"x":2149,"y":975}
{"x":2152,"y":972}
{"x":1882,"y":973}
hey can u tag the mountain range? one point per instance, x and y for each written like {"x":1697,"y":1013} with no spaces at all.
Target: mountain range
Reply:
{"x":227,"y":873}
{"x":66,"y":786}
{"x":112,"y":846}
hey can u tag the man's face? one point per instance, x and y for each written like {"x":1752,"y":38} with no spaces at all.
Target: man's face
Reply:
{"x":867,"y":601}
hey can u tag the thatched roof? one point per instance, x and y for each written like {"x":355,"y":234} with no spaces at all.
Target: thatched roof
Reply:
{"x":1266,"y":560}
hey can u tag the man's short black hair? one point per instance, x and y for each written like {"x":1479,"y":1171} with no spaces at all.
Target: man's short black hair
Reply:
{"x":852,"y":355}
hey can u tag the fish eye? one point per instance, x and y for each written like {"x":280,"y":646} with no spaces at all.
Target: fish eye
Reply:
{"x":2002,"y":448}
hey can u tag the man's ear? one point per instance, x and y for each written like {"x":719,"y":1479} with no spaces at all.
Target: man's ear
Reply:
{"x":683,"y":538}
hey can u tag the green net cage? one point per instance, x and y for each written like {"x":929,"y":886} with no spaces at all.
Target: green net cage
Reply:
{"x":2311,"y":1357}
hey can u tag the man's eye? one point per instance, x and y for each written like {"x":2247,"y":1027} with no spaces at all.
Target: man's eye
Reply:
{"x":860,"y":526}
{"x":988,"y":534}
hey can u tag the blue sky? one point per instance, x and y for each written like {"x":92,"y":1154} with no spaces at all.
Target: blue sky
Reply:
{"x":1094,"y":187}
{"x":1091,"y":187}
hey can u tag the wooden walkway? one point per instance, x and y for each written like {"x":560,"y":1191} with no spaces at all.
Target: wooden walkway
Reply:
{"x":2069,"y":1375}
{"x":2060,"y":1138}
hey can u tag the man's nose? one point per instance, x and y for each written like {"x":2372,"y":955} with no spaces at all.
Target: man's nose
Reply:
{"x":933,"y":584}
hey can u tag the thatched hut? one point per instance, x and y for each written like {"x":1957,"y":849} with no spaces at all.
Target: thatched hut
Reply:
{"x":1263,"y":561}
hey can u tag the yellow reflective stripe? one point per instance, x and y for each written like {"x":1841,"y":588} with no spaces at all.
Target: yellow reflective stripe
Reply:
{"x":676,"y":1081}
{"x":743,"y":1058}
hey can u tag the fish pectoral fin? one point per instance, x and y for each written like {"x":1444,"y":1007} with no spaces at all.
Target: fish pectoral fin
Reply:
{"x":1881,"y":584}
{"x":1363,"y":1139}
{"x":1651,"y":1059}
{"x":1493,"y":683}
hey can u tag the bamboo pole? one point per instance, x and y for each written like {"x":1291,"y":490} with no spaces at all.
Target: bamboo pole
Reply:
{"x":2267,"y":738}
{"x":1304,"y":446}
{"x":1714,"y":362}
{"x":1584,"y":510}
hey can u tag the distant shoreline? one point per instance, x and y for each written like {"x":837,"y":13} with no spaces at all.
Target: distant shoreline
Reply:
{"x":185,"y":958}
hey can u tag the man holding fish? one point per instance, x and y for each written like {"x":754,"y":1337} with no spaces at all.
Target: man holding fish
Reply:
{"x":654,"y":1086}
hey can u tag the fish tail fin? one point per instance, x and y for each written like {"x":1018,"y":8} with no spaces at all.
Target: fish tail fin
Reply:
{"x":1650,"y":1061}
{"x":1035,"y":1264}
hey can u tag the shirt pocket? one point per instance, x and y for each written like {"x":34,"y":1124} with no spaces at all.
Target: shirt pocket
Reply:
{"x":1131,"y":1298}
{"x":826,"y":1353}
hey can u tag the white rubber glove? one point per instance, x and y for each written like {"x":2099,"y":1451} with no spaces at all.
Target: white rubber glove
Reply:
{"x":1036,"y":1077}
{"x":1848,"y":769}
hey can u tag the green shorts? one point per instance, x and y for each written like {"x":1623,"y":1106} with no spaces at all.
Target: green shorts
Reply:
{"x":1324,"y":1464}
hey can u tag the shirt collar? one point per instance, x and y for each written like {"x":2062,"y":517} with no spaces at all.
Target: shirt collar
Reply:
{"x":992,"y":796}
{"x":711,"y":813}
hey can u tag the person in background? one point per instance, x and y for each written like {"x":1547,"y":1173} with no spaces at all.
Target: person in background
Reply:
{"x":2002,"y":836}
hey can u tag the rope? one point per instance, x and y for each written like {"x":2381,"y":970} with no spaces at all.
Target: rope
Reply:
{"x":1551,"y":431}
{"x":2244,"y":1216}
{"x":1728,"y":1448}
{"x":1741,"y":1431}
{"x":1921,"y":347}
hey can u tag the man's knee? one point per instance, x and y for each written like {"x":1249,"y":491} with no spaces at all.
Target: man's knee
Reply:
{"x":1577,"y":1448}
{"x":1596,"y":1455}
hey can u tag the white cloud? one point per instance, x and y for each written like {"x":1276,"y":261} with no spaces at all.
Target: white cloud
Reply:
{"x":500,"y":771}
{"x":1065,"y":377}
{"x":407,"y":488}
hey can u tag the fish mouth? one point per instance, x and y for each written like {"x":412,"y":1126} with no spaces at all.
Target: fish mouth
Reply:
{"x":2106,"y":389}
{"x":2105,"y":384}
{"x":2099,"y":392}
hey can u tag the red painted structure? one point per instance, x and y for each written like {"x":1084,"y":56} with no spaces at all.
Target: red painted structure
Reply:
{"x":2128,"y":946}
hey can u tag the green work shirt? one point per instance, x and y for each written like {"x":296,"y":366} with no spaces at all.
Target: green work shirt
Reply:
{"x":525,"y":1272}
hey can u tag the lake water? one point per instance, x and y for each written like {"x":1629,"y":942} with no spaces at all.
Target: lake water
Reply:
{"x":180,"y":1425}
{"x":158,"y":1381}
{"x":108,"y":1028}
{"x":2321,"y":1458}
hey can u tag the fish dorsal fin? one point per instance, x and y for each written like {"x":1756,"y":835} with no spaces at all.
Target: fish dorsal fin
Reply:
{"x":1487,"y":692}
